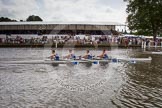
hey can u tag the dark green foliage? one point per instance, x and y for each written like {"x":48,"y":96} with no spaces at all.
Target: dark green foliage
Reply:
{"x":5,"y":19}
{"x":34,"y":18}
{"x":145,"y":16}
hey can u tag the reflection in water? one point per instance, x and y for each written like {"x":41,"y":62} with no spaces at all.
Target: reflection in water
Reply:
{"x":104,"y":85}
{"x":142,"y":87}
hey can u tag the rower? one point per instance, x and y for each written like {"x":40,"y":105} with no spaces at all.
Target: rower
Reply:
{"x":53,"y":55}
{"x":103,"y":55}
{"x":87,"y":55}
{"x":70,"y":55}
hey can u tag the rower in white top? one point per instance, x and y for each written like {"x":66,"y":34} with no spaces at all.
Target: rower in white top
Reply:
{"x":88,"y":55}
{"x":71,"y":55}
{"x":103,"y":55}
{"x":54,"y":56}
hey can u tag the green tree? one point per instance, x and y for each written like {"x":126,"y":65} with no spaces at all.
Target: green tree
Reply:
{"x":145,"y":16}
{"x":34,"y":18}
{"x":5,"y":19}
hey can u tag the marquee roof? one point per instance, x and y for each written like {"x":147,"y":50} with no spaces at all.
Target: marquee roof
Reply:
{"x":68,"y":23}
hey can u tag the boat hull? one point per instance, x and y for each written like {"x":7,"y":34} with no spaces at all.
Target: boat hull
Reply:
{"x":75,"y":62}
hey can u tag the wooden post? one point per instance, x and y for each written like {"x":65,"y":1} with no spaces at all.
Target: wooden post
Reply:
{"x":142,"y":44}
{"x":56,"y":43}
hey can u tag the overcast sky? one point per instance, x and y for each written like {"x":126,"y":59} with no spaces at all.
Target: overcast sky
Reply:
{"x":65,"y":10}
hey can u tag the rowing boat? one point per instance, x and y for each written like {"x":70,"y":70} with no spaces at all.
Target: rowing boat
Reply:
{"x":55,"y":62}
{"x":135,"y":59}
{"x":93,"y":61}
{"x":158,"y":52}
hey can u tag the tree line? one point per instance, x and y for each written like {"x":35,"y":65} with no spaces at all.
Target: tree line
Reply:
{"x":30,"y":18}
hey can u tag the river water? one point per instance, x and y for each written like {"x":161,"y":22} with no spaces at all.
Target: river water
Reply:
{"x":114,"y":85}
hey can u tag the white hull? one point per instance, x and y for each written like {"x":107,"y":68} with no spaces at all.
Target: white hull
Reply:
{"x":156,"y":52}
{"x":153,"y":52}
{"x":136,"y":59}
{"x":77,"y":61}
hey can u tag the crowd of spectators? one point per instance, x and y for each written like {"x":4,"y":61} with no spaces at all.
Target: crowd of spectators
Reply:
{"x":79,"y":39}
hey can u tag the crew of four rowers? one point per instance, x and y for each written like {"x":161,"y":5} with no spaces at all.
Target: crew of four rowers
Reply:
{"x":71,"y":55}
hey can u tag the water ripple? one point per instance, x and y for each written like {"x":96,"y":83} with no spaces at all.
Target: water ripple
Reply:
{"x":118,"y":85}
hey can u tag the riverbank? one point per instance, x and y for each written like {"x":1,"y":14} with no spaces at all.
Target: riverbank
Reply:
{"x":63,"y":45}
